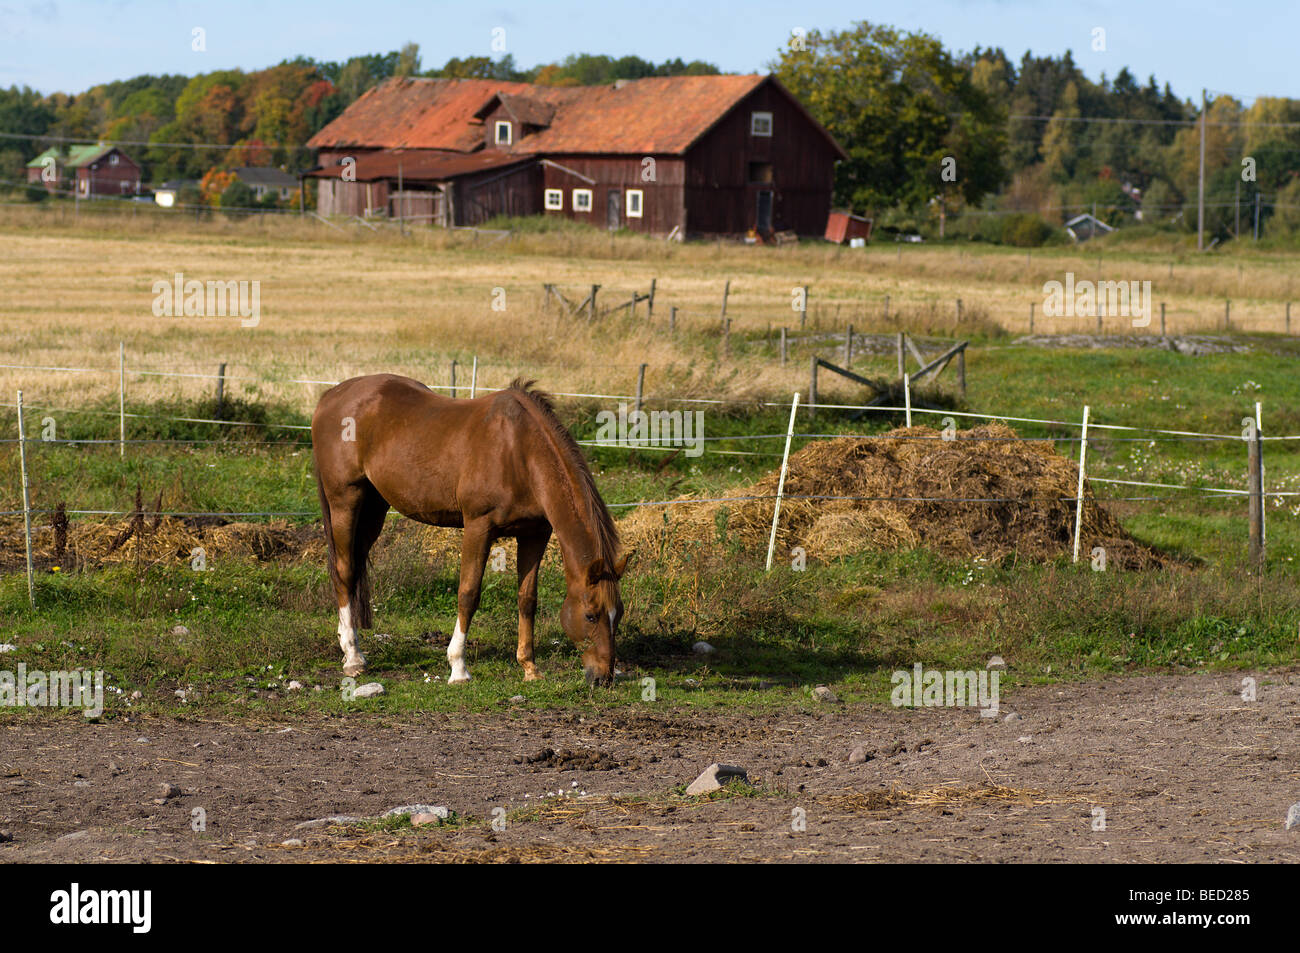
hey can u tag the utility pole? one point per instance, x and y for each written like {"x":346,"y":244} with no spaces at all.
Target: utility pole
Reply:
{"x":1200,"y":187}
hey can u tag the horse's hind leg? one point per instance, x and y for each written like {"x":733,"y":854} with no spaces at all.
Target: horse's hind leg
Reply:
{"x":357,"y":518}
{"x":473,"y":558}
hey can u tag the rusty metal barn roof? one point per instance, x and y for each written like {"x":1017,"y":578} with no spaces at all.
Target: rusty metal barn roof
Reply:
{"x":659,"y":115}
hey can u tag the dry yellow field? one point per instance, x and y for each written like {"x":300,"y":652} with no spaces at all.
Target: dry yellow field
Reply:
{"x":338,"y":302}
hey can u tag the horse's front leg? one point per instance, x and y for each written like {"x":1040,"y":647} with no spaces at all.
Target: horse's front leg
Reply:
{"x":473,"y":558}
{"x":531,"y":549}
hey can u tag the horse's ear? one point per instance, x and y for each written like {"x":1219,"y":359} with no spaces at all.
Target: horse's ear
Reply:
{"x":620,"y":567}
{"x":595,"y":571}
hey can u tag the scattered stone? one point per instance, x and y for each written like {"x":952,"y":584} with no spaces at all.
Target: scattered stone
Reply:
{"x":1292,"y":816}
{"x":368,"y":690}
{"x":1012,"y":716}
{"x":995,"y":664}
{"x":75,"y":835}
{"x":417,"y":809}
{"x":181,"y":693}
{"x":860,"y":755}
{"x":81,"y":784}
{"x":824,"y":694}
{"x":327,"y":821}
{"x":291,"y":842}
{"x":5,"y":837}
{"x":702,"y":648}
{"x":517,"y":699}
{"x":295,"y":686}
{"x":137,"y":695}
{"x":170,"y":790}
{"x":180,"y":630}
{"x":1025,"y":739}
{"x":423,"y":820}
{"x":714,"y":777}
{"x":7,"y":647}
{"x":142,"y":741}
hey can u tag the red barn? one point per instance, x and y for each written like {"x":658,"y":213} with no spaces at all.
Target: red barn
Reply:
{"x":687,"y":155}
{"x":90,"y":170}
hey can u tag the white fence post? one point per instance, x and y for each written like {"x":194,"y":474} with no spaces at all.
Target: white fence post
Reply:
{"x":1263,"y":509}
{"x":1078,"y":496}
{"x":907,"y":397}
{"x":780,"y":486}
{"x":27,"y":500}
{"x":121,"y":398}
{"x":473,"y":379}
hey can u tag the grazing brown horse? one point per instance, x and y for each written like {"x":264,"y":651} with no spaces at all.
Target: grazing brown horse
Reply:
{"x":499,"y":465}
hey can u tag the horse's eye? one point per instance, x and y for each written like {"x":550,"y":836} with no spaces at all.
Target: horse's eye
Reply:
{"x":591,"y":617}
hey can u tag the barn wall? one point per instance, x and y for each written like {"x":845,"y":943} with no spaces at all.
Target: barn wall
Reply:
{"x":112,"y":180}
{"x":493,"y":192}
{"x":662,"y":206}
{"x":721,"y":199}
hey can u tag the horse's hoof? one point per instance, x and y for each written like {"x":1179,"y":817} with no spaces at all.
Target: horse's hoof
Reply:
{"x":458,"y":679}
{"x":354,"y":668}
{"x":532,"y":675}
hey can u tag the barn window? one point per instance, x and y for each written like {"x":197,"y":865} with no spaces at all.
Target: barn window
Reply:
{"x":633,"y":203}
{"x":582,"y":200}
{"x":112,"y":160}
{"x":503,"y":132}
{"x":760,"y":124}
{"x":555,"y":199}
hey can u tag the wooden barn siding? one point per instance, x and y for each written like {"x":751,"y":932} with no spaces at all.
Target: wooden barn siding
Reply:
{"x":719,"y":198}
{"x":661,"y":201}
{"x":108,"y":179}
{"x":494,"y":192}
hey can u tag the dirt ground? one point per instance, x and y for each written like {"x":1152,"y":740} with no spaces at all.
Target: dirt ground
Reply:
{"x":1183,"y":768}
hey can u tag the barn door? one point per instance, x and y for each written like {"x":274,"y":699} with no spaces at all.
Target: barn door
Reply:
{"x":614,"y":207}
{"x":764,"y":224}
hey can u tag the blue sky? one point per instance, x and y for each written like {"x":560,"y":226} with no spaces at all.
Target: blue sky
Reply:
{"x":70,"y":45}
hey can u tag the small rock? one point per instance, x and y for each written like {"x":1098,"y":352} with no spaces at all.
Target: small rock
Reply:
{"x":81,"y":784}
{"x":824,"y":694}
{"x":368,"y":690}
{"x":291,"y":842}
{"x":860,"y":755}
{"x":295,"y":686}
{"x":5,"y":837}
{"x":142,"y":741}
{"x":714,"y":777}
{"x":7,"y":647}
{"x":137,"y":695}
{"x":1025,"y":739}
{"x":691,"y":683}
{"x":180,"y":630}
{"x":517,"y":699}
{"x":702,"y":648}
{"x":170,"y":790}
{"x":181,"y":693}
{"x":421,"y":820}
{"x":75,"y":835}
{"x":414,"y":809}
{"x":995,"y":664}
{"x":1012,"y":716}
{"x":1292,"y":816}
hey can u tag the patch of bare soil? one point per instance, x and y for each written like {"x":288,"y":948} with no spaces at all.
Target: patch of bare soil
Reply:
{"x":1161,"y":768}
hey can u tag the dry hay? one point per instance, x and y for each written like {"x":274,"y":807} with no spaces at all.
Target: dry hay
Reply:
{"x":1033,"y":484}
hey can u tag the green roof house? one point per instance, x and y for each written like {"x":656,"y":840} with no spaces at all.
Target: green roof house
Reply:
{"x":87,"y":171}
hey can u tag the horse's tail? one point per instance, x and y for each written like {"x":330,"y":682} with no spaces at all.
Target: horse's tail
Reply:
{"x":359,"y":590}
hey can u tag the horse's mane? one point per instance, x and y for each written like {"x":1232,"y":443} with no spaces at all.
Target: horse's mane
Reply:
{"x":597,"y":513}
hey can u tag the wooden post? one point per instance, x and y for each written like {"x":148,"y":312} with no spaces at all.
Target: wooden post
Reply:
{"x":959,"y":310}
{"x":780,"y":485}
{"x":672,"y":320}
{"x":902,"y":357}
{"x":1288,"y":317}
{"x":1099,"y":314}
{"x":726,"y":335}
{"x":27,"y":501}
{"x":783,"y":348}
{"x":221,"y":390}
{"x":650,"y":302}
{"x":726,"y":290}
{"x":473,"y":379}
{"x":591,"y":303}
{"x":803,"y":314}
{"x":1162,"y":319}
{"x":848,"y":347}
{"x":1255,"y":483}
{"x":453,"y":378}
{"x":1078,"y":496}
{"x":1227,"y":313}
{"x":812,"y":390}
{"x":1031,"y":316}
{"x":640,"y":385}
{"x":886,"y":307}
{"x":961,"y":370}
{"x":121,"y":398}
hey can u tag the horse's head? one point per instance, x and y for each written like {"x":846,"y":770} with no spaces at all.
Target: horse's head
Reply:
{"x":590,"y":615}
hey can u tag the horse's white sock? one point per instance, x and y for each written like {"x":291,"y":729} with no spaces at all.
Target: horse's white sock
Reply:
{"x":456,"y":655}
